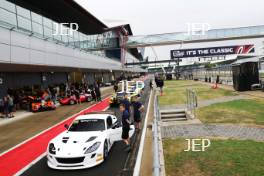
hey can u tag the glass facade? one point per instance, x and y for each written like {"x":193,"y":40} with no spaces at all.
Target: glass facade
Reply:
{"x":21,"y":19}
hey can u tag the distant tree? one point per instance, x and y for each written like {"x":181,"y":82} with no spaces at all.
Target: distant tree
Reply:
{"x":209,"y":65}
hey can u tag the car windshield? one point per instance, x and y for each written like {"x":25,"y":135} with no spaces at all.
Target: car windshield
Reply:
{"x":88,"y":125}
{"x":120,"y":94}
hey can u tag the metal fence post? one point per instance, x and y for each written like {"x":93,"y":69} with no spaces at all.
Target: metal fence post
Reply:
{"x":191,"y":101}
{"x":156,"y":154}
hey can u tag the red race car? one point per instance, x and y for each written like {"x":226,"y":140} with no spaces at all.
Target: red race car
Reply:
{"x":71,"y":100}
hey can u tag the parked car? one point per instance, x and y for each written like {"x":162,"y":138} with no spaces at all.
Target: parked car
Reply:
{"x":71,"y":100}
{"x":37,"y":104}
{"x":86,"y":142}
{"x":117,"y":97}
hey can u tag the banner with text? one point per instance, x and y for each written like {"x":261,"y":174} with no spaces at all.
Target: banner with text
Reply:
{"x":213,"y":51}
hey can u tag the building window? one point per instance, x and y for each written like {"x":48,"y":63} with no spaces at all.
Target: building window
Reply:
{"x":23,"y":12}
{"x":65,"y":39}
{"x":36,"y":18}
{"x":8,"y":17}
{"x":47,"y":22}
{"x":37,"y":28}
{"x":8,"y":6}
{"x":24,"y":23}
{"x":47,"y":32}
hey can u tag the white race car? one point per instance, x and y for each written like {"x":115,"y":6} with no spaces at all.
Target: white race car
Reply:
{"x":86,"y":143}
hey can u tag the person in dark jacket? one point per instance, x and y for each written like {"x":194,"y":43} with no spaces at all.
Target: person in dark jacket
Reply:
{"x":93,"y":94}
{"x":97,"y":92}
{"x":126,"y":103}
{"x":115,"y":87}
{"x":77,"y":95}
{"x":16,"y":101}
{"x":138,"y":108}
{"x":125,"y":126}
{"x":5,"y":107}
{"x":53,"y":92}
{"x":161,"y":86}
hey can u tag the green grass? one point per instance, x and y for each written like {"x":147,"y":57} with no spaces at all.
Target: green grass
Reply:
{"x":237,"y":111}
{"x":222,"y":158}
{"x":175,"y":92}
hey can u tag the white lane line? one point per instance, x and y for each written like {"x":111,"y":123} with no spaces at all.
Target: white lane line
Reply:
{"x":31,"y":164}
{"x":142,"y":141}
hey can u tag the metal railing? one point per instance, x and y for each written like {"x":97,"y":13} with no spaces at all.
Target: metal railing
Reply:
{"x":156,"y":147}
{"x":187,"y":37}
{"x":158,"y":169}
{"x":191,"y":102}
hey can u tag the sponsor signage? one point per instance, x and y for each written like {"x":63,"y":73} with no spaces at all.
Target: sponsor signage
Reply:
{"x":213,"y":51}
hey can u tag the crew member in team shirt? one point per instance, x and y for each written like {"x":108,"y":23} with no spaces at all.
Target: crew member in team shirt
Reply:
{"x":125,"y":126}
{"x":126,"y":103}
{"x":138,"y":108}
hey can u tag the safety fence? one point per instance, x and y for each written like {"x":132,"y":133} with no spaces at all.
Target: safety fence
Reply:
{"x":191,"y":102}
{"x":156,"y":146}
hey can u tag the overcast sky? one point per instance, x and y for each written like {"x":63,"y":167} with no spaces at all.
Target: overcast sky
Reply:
{"x":164,"y":16}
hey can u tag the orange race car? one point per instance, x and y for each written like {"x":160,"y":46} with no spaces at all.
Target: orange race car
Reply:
{"x":37,"y":104}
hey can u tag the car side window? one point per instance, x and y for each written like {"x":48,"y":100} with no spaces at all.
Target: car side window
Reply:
{"x":109,"y":122}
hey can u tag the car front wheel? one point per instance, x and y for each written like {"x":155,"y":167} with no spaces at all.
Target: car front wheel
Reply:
{"x":72,"y":102}
{"x":89,"y":99}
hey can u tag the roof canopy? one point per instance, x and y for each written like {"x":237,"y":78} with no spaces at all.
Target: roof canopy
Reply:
{"x":247,"y":60}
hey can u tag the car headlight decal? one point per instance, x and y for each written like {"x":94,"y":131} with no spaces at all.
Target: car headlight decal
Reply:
{"x":93,"y":148}
{"x":52,"y":149}
{"x":91,"y":138}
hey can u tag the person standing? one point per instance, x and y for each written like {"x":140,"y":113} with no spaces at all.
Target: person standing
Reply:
{"x":10,"y":106}
{"x":150,"y":85}
{"x":125,"y":127}
{"x":53,"y":94}
{"x":97,"y":92}
{"x":46,"y":95}
{"x":126,"y":103}
{"x":161,"y":86}
{"x":16,"y":101}
{"x":93,"y":94}
{"x":156,"y":80}
{"x":5,"y":107}
{"x":217,"y":81}
{"x":138,"y":108}
{"x":77,"y":95}
{"x":115,"y":87}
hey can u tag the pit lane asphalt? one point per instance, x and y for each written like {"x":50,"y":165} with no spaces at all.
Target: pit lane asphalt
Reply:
{"x":113,"y":166}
